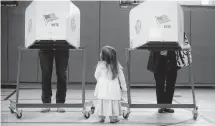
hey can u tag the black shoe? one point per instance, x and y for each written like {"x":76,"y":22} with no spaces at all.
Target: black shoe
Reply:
{"x":161,"y":110}
{"x":115,"y":121}
{"x":101,"y":119}
{"x":169,"y":110}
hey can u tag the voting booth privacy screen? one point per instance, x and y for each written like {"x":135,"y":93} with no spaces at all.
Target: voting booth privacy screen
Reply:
{"x":156,"y":24}
{"x":52,"y":23}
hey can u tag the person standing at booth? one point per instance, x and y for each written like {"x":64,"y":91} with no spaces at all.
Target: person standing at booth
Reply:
{"x":164,"y":66}
{"x":46,"y":62}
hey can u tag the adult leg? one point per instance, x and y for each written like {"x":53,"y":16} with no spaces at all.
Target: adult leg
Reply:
{"x":61,"y":60}
{"x":160,"y":85}
{"x":170,"y":86}
{"x":46,"y":63}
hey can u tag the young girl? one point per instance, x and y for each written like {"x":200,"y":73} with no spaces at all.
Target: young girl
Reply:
{"x":110,"y":79}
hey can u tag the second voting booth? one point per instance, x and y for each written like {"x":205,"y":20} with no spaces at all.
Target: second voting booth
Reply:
{"x":52,"y":25}
{"x":157,"y":25}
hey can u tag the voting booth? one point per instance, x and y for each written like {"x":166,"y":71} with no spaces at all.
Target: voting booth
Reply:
{"x":156,"y":24}
{"x":52,"y":24}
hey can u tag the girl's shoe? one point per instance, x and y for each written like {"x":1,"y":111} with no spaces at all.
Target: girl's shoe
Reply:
{"x":114,"y":120}
{"x":101,"y":119}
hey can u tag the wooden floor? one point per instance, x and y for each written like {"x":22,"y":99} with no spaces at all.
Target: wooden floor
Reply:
{"x":144,"y":117}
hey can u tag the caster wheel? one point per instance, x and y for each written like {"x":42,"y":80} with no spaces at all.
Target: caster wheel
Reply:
{"x":19,"y":116}
{"x":125,"y":115}
{"x":86,"y":115}
{"x":195,"y":114}
{"x":92,"y":109}
{"x":11,"y":110}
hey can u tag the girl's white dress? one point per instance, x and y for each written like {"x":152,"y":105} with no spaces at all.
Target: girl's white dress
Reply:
{"x":108,"y":91}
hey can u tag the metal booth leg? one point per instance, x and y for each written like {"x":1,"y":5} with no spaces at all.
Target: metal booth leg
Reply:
{"x":128,"y":53}
{"x":195,"y":109}
{"x":68,"y":67}
{"x":83,"y":81}
{"x":85,"y":113}
{"x":129,"y":78}
{"x":13,"y":108}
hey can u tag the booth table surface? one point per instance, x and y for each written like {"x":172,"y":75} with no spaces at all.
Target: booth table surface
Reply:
{"x":144,"y":117}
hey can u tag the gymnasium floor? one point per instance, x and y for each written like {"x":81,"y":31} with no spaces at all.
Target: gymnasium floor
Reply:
{"x":143,"y":117}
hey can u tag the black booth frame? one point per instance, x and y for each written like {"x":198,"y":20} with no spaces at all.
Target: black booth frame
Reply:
{"x":14,"y":106}
{"x":191,"y":82}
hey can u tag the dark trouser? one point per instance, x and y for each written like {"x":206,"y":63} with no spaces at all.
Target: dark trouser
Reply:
{"x":165,"y":76}
{"x":46,"y":63}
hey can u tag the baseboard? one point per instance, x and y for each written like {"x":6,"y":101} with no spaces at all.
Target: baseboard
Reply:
{"x":8,"y":86}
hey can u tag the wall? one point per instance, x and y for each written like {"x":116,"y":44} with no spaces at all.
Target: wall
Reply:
{"x":4,"y":49}
{"x":15,"y":36}
{"x":203,"y":44}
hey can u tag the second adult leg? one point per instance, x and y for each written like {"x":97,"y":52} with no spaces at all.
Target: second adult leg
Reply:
{"x":61,"y":61}
{"x":171,"y":77}
{"x":46,"y":63}
{"x":160,"y":85}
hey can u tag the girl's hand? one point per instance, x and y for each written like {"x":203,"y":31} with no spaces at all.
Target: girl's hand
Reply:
{"x":121,"y":99}
{"x":124,"y":94}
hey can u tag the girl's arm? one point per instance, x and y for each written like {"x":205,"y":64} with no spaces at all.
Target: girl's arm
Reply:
{"x":122,"y":79}
{"x":97,"y":72}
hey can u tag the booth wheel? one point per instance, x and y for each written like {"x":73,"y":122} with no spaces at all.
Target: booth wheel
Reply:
{"x":125,"y":115}
{"x":92,"y":109}
{"x":87,"y":115}
{"x":19,"y":115}
{"x":195,"y":113}
{"x":11,"y":110}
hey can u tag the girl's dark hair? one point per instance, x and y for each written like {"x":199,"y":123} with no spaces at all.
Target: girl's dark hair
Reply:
{"x":108,"y":54}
